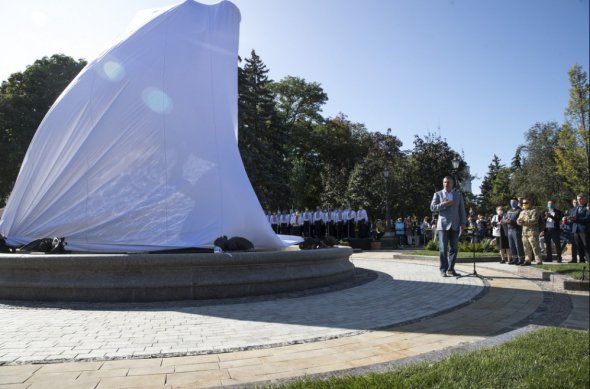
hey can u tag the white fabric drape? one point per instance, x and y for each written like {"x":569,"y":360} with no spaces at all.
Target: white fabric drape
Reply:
{"x":140,"y":151}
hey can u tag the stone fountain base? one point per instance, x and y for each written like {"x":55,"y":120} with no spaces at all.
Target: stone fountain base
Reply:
{"x":162,"y":277}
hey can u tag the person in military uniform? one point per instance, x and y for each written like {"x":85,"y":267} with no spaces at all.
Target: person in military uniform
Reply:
{"x":529,"y":220}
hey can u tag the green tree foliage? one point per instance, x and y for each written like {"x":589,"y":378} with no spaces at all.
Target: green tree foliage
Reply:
{"x":495,"y":187}
{"x":368,"y":186}
{"x":340,"y":151}
{"x":431,"y":160}
{"x":537,"y":178}
{"x":298,"y":105}
{"x":260,"y":136}
{"x":578,"y":118}
{"x":570,"y":162}
{"x":298,"y":100}
{"x":25,"y":98}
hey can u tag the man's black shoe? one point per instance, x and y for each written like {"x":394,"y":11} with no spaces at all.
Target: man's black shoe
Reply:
{"x":453,"y":273}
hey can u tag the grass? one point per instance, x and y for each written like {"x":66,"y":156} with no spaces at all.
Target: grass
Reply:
{"x":573,"y":270}
{"x":460,"y":254}
{"x":548,"y":358}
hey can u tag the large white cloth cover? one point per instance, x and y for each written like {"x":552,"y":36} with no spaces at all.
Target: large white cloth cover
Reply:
{"x":140,"y":152}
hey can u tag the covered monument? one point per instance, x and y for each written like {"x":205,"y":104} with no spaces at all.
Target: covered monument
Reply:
{"x":140,"y":152}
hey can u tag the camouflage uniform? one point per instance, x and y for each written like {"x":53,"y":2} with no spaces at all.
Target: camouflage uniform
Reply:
{"x":529,"y":220}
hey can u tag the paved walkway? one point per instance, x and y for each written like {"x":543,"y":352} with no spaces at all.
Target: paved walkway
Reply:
{"x":406,"y":312}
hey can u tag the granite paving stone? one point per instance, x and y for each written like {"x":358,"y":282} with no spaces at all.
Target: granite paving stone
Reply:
{"x":406,"y":311}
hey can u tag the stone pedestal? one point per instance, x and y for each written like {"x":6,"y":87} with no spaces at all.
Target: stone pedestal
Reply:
{"x":161,"y":277}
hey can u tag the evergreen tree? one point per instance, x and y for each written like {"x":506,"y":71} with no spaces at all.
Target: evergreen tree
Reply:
{"x":487,"y":185}
{"x":495,"y":187}
{"x":260,"y":137}
{"x":537,"y":178}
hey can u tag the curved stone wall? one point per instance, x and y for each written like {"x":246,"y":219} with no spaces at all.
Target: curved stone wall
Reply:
{"x":161,"y":277}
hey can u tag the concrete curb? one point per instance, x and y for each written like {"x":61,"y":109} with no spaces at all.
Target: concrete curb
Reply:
{"x":557,"y":280}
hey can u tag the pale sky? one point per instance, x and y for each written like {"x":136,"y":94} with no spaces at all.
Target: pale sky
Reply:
{"x":479,"y":72}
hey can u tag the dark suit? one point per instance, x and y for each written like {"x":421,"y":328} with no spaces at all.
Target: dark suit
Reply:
{"x":552,"y":232}
{"x":581,"y":230}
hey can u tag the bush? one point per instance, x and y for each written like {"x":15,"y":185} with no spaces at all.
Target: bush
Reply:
{"x":481,"y":247}
{"x":432,"y":245}
{"x":465,"y":246}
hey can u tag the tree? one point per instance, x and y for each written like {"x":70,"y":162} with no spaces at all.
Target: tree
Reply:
{"x":578,"y":116}
{"x":570,"y":162}
{"x":260,"y":136}
{"x":25,"y":98}
{"x":298,"y":100}
{"x":430,"y":160}
{"x":537,"y":178}
{"x":298,"y":105}
{"x":339,"y":151}
{"x":495,"y":187}
{"x":367,"y":184}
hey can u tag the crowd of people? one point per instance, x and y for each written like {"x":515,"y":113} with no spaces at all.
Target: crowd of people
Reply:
{"x":523,"y":234}
{"x":538,"y":233}
{"x":519,"y":232}
{"x":346,"y":223}
{"x":341,"y":223}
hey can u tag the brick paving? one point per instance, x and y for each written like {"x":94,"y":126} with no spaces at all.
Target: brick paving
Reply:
{"x":406,"y":312}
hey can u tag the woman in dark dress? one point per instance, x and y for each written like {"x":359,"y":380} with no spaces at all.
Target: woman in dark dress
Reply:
{"x":500,"y":233}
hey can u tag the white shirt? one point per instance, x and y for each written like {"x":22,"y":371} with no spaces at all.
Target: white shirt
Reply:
{"x":362,"y":215}
{"x":285,"y":218}
{"x":318,"y":216}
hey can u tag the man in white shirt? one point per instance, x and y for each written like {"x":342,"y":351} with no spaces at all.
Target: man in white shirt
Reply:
{"x":274,"y":222}
{"x":351,"y":223}
{"x":362,"y":220}
{"x":318,"y":222}
{"x":307,"y":221}
{"x":285,"y":217}
{"x":338,"y":222}
{"x":296,"y":221}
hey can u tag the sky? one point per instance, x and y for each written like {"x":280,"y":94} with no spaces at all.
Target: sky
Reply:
{"x":479,"y":73}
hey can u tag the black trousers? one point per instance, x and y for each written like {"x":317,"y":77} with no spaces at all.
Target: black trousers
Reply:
{"x":552,"y":236}
{"x":583,"y":243}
